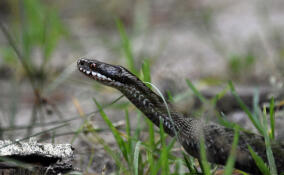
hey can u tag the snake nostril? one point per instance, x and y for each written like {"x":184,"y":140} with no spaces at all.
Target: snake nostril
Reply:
{"x":80,"y":62}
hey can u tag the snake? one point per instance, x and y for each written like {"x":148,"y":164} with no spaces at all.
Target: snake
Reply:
{"x":217,"y":138}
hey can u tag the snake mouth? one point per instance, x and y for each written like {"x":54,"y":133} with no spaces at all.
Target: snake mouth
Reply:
{"x":89,"y":68}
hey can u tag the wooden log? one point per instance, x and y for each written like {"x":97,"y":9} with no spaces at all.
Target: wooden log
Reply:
{"x":18,"y":157}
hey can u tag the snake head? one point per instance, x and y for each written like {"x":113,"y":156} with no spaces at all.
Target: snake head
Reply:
{"x":111,"y":75}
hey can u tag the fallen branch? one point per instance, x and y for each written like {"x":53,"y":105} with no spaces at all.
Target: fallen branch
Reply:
{"x":17,"y":157}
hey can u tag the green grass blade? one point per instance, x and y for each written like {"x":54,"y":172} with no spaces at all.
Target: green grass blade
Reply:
{"x":245,"y":109}
{"x":164,"y":152}
{"x":91,"y":160}
{"x":146,"y":72}
{"x":256,"y":110}
{"x":189,"y":164}
{"x":77,"y":132}
{"x":138,"y":128}
{"x":136,"y":157}
{"x":126,"y":47}
{"x":270,"y":157}
{"x":272,"y":118}
{"x":178,"y":167}
{"x":231,"y":160}
{"x":171,"y":144}
{"x":129,"y":141}
{"x":195,"y":91}
{"x":222,"y":119}
{"x":109,"y":150}
{"x":120,"y":142}
{"x":151,"y":133}
{"x":128,"y":131}
{"x":170,"y":96}
{"x":220,"y":95}
{"x":204,"y":163}
{"x":151,"y":145}
{"x":259,"y":162}
{"x":165,"y":103}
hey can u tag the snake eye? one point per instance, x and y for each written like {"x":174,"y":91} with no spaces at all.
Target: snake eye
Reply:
{"x":93,"y":65}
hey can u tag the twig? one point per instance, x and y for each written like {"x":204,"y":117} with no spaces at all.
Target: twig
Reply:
{"x":20,"y":57}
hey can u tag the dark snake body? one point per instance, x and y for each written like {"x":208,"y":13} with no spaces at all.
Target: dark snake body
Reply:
{"x":218,"y":139}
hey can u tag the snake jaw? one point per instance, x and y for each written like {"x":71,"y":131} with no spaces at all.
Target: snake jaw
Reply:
{"x":91,"y":69}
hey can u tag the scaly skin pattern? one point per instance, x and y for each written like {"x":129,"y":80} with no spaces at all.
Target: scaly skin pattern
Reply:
{"x":218,"y":139}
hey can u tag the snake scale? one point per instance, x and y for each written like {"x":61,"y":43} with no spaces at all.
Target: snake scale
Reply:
{"x":218,"y":139}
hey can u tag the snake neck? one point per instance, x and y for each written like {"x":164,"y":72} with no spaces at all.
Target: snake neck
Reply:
{"x":151,"y":105}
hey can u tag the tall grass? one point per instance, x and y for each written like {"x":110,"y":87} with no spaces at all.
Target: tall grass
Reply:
{"x":127,"y":47}
{"x":34,"y":27}
{"x":260,"y":123}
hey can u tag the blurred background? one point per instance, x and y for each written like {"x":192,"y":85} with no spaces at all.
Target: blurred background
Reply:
{"x":207,"y":42}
